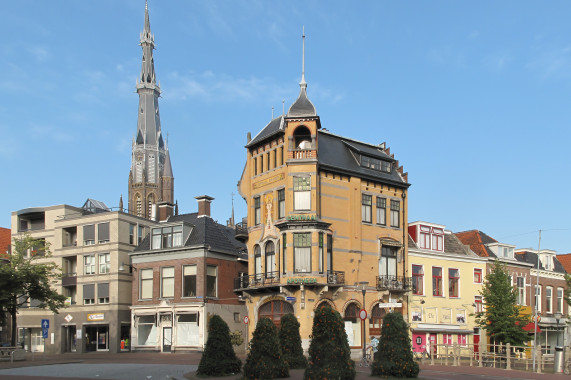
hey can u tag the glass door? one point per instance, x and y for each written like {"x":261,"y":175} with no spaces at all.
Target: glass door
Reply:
{"x":167,"y":339}
{"x":102,"y":338}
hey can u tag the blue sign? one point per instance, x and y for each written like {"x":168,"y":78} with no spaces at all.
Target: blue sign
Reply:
{"x":45,"y":324}
{"x":45,"y":333}
{"x":290,"y":298}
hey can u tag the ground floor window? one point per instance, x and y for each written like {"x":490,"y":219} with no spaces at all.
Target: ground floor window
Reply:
{"x":146,"y":330}
{"x":353,"y":325}
{"x":187,"y":329}
{"x":274,"y":310}
{"x":376,"y":320}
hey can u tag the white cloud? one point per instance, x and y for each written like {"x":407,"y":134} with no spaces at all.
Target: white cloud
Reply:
{"x":49,"y":132}
{"x":39,"y":53}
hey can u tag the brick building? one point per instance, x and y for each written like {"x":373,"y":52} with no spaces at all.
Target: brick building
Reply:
{"x":183,"y":272}
{"x":5,"y":247}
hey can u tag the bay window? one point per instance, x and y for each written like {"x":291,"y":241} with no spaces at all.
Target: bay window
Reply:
{"x":302,"y":252}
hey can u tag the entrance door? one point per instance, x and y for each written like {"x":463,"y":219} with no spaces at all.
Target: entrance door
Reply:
{"x":102,"y":338}
{"x":36,"y":340}
{"x":167,"y":339}
{"x":433,"y":347}
{"x":418,"y":342}
{"x":70,"y":339}
{"x":476,"y":343}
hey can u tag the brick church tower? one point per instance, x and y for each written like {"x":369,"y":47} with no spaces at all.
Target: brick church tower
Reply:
{"x":151,"y":180}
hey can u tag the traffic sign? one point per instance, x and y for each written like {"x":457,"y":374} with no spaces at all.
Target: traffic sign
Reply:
{"x":363,"y":314}
{"x":45,"y":333}
{"x":45,"y":324}
{"x":290,"y":299}
{"x":246,"y":320}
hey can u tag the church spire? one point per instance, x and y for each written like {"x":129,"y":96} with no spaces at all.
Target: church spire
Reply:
{"x":303,"y":83}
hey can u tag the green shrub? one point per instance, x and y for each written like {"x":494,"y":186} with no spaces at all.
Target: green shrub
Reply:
{"x":290,"y":342}
{"x":219,"y":358}
{"x":265,"y":359}
{"x":329,"y":353}
{"x":394,"y":356}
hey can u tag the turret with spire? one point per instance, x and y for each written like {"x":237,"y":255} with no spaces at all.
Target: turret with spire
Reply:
{"x":150,"y":180}
{"x":302,"y":107}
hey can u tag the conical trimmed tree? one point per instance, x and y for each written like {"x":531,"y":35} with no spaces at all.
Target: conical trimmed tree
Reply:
{"x":329,"y":353}
{"x":219,"y":358}
{"x":394,"y":356}
{"x":265,"y":359}
{"x":290,"y":342}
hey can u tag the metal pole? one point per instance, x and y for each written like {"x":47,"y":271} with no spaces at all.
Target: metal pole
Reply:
{"x":363,"y":322}
{"x":536,"y":300}
{"x":557,"y":333}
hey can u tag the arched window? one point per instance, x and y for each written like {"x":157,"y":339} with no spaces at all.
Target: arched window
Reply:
{"x":270,"y":252}
{"x":275,"y":310}
{"x":302,"y":138}
{"x":324,"y":303}
{"x":353,"y":329}
{"x":257,"y":262}
{"x":376,"y":320}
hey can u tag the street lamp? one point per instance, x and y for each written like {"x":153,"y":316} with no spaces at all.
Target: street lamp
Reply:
{"x":557,"y":316}
{"x":363,"y":285}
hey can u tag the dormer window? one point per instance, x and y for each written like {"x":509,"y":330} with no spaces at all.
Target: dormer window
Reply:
{"x":166,"y":237}
{"x":431,"y":238}
{"x":507,"y":252}
{"x":376,"y":164}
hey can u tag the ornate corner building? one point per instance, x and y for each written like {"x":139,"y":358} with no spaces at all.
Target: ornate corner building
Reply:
{"x":151,"y":180}
{"x":326,"y":214}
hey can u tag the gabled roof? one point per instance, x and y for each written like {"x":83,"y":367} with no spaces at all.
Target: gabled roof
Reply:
{"x":273,"y":128}
{"x":452,"y":246}
{"x":5,"y":240}
{"x":477,"y":241}
{"x":531,"y":258}
{"x":339,"y":154}
{"x":206,"y":232}
{"x":565,"y":261}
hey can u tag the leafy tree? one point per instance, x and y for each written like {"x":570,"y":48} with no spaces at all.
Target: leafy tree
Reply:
{"x":394,"y":355}
{"x":219,"y":358}
{"x":27,"y":276}
{"x":501,"y":317}
{"x":329,"y":353}
{"x":265,"y":359}
{"x":290,"y":342}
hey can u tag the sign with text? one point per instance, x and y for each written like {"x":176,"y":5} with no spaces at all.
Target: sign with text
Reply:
{"x":96,"y":317}
{"x":302,"y":217}
{"x":267,"y":181}
{"x":390,"y":305}
{"x":299,"y":281}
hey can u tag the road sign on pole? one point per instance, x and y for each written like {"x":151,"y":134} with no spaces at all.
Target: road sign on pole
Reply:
{"x":45,"y":328}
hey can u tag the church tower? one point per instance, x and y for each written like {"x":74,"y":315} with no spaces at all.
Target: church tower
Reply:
{"x":151,"y":181}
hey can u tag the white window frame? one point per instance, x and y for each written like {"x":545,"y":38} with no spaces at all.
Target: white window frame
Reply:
{"x":212,"y":271}
{"x":537,"y":300}
{"x":89,"y":264}
{"x":549,"y":299}
{"x":104,"y":263}
{"x":301,"y":193}
{"x":560,"y":300}
{"x":145,"y":277}
{"x":167,"y":282}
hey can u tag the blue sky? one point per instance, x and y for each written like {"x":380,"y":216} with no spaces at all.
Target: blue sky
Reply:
{"x":473,"y":98}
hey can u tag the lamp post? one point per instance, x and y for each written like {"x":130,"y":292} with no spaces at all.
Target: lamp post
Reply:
{"x":363,"y":285}
{"x":557,"y":316}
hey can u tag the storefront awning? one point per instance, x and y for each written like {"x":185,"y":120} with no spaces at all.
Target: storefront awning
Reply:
{"x":530,"y":327}
{"x":444,"y":330}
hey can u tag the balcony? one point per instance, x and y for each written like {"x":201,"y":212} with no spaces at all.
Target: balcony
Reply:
{"x":272,"y":279}
{"x":69,"y":279}
{"x":394,"y":283}
{"x":242,"y":231}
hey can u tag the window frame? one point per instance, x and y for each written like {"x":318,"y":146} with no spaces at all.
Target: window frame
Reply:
{"x":164,"y":282}
{"x":437,"y":285}
{"x":453,"y":283}
{"x":143,"y":280}
{"x":418,"y":280}
{"x":209,"y":277}
{"x":301,"y":187}
{"x":189,"y":278}
{"x":478,"y":275}
{"x":366,"y":208}
{"x":520,"y":291}
{"x":381,"y":208}
{"x":104,"y":264}
{"x":301,"y":241}
{"x":549,"y":299}
{"x":395,"y":213}
{"x":560,"y":300}
{"x":537,"y":298}
{"x":92,"y":265}
{"x":281,"y":204}
{"x":257,"y":210}
{"x":389,"y":256}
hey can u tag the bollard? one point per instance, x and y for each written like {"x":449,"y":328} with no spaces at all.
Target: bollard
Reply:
{"x":508,"y":356}
{"x":455,"y":354}
{"x":539,"y":359}
{"x":558,"y":360}
{"x":446,"y":355}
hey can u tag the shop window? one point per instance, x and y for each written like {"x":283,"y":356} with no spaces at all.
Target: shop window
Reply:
{"x":187,"y":329}
{"x":146,"y":330}
{"x":275,"y":310}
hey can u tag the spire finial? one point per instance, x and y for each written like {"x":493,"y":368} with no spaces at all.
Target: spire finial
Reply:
{"x":146,"y":5}
{"x":272,"y":112}
{"x":283,"y":107}
{"x":303,"y":83}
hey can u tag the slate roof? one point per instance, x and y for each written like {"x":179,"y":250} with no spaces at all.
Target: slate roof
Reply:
{"x":565,"y":261}
{"x":531,"y":258}
{"x":273,"y":128}
{"x":341,"y":155}
{"x":302,"y":107}
{"x":206,"y":232}
{"x":477,"y":241}
{"x":5,"y":240}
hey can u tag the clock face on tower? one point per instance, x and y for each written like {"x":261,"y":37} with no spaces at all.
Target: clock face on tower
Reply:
{"x":139,"y":157}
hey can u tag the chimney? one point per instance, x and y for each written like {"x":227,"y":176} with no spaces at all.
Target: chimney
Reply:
{"x":166,"y":210}
{"x":204,"y":205}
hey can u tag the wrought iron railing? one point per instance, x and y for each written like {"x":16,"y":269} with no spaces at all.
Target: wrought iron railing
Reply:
{"x":69,"y":279}
{"x":394,"y":283}
{"x":262,"y":279}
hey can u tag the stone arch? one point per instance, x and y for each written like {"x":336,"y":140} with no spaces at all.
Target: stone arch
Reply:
{"x":302,"y":137}
{"x":274,"y":309}
{"x":323,"y":302}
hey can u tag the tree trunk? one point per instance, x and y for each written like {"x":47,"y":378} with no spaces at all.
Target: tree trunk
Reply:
{"x":14,"y":334}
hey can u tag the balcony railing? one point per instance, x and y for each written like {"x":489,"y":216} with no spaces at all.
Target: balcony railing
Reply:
{"x":395,"y":283}
{"x":69,"y":279}
{"x":273,"y":279}
{"x":241,"y":229}
{"x":262,"y":279}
